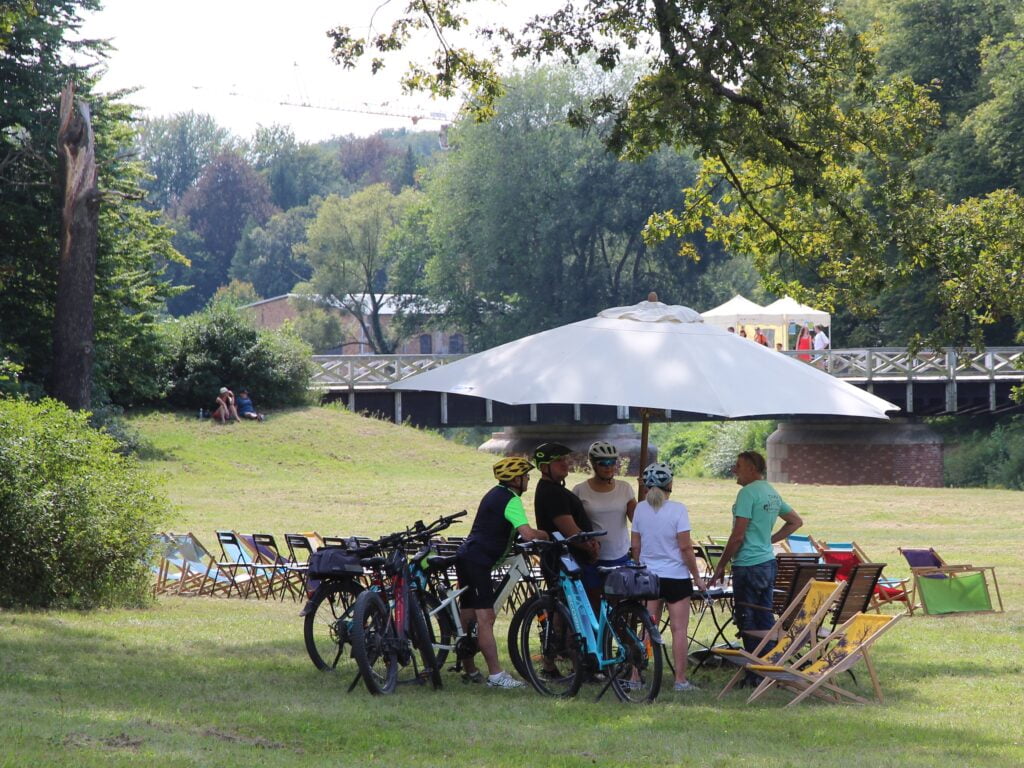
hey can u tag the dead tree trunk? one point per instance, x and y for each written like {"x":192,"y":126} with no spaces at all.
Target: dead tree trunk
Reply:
{"x":71,"y":378}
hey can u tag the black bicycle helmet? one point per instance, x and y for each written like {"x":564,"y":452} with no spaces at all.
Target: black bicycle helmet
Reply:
{"x":548,"y":452}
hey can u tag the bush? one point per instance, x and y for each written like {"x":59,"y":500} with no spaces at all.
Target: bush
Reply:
{"x":76,"y":517}
{"x":219,"y":346}
{"x":988,"y":459}
{"x":708,"y":449}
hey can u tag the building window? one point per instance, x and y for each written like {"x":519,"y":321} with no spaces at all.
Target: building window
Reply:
{"x":426,"y":344}
{"x":455,"y":345}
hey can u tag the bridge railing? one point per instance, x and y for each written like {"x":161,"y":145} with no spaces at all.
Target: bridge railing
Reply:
{"x":371,"y":371}
{"x":865,"y":364}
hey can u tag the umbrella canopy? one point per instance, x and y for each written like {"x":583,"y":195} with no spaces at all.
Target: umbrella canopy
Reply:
{"x":653,"y":356}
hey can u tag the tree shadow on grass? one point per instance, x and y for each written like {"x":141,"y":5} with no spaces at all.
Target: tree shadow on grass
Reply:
{"x":248,"y":684}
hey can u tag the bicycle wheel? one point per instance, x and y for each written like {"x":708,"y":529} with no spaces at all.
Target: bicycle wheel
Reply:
{"x":442,"y":629}
{"x":327,"y":622}
{"x":550,"y":648}
{"x":423,"y":639}
{"x":374,"y":643}
{"x":631,"y":635}
{"x":515,"y":626}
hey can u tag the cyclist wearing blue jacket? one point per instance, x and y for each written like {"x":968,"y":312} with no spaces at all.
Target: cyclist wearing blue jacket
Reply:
{"x":499,"y":518}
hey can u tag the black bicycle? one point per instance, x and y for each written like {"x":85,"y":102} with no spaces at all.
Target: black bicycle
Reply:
{"x":389,"y":626}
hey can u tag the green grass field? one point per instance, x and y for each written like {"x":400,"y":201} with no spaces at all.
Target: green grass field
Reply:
{"x":213,"y":682}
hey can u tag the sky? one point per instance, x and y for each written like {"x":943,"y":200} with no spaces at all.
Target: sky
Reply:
{"x":252,"y":62}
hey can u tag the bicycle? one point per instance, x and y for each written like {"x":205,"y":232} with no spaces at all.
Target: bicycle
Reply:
{"x":562,"y":641}
{"x":517,"y":582}
{"x":389,"y":625}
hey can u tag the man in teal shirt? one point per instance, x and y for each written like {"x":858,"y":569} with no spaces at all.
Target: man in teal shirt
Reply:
{"x":750,"y":546}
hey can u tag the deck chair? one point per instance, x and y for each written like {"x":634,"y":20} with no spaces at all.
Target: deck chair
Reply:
{"x":300,"y":547}
{"x":204,"y":575}
{"x":802,"y":545}
{"x":286,"y":579}
{"x":856,"y":597}
{"x":241,"y":556}
{"x":817,"y":672}
{"x":166,"y":564}
{"x":785,"y":585}
{"x":941,"y":588}
{"x":886,"y":590}
{"x":795,"y":628}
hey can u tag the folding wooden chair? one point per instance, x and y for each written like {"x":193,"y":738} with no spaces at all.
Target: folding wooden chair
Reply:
{"x":837,"y":653}
{"x":886,"y":590}
{"x":203,"y":574}
{"x":300,"y":547}
{"x":941,"y":588}
{"x":796,"y":627}
{"x":785,"y":591}
{"x":858,"y":593}
{"x":286,"y":579}
{"x":240,"y":556}
{"x":800,"y":544}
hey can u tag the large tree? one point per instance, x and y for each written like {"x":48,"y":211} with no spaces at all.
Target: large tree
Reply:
{"x":807,"y":147}
{"x":39,"y":56}
{"x":175,"y":150}
{"x":229,"y":197}
{"x":350,"y":247}
{"x":536,"y":224}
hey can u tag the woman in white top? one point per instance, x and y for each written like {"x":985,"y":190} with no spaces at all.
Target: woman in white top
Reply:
{"x":609,"y":503}
{"x":661,"y":541}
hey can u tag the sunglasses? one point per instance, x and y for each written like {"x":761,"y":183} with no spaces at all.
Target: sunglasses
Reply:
{"x":605,"y":462}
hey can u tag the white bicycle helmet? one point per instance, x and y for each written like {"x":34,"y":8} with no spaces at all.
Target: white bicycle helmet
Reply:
{"x":603,"y":450}
{"x":658,"y":475}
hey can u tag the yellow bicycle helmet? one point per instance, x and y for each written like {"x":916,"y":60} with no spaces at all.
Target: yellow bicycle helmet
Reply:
{"x":510,"y":468}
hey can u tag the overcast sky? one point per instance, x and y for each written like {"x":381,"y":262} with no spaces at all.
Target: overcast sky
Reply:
{"x":238,"y":60}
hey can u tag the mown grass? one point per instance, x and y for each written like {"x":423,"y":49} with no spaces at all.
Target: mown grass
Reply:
{"x":205,"y":682}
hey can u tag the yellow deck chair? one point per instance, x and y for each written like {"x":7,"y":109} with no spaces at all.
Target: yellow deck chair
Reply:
{"x":847,"y":645}
{"x":796,"y":628}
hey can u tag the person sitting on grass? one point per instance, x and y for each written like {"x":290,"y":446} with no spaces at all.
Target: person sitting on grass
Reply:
{"x":498,"y":518}
{"x":245,"y":407}
{"x":225,"y":410}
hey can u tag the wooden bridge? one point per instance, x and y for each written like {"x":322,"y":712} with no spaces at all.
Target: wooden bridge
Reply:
{"x":922,"y":383}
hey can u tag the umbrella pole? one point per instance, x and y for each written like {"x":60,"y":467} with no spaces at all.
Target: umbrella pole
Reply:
{"x":645,"y":428}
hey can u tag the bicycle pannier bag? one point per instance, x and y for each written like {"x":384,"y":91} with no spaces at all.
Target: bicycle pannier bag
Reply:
{"x":636,"y":583}
{"x":333,"y":562}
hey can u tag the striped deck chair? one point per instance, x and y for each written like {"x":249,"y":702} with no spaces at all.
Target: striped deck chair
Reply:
{"x":817,"y":672}
{"x":796,"y":628}
{"x":204,"y":576}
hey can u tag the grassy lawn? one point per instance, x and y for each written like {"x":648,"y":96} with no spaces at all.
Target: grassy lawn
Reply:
{"x":212,"y":682}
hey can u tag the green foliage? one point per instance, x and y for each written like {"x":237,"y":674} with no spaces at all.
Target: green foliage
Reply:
{"x":988,"y":458}
{"x":317,"y":327}
{"x":267,"y":256}
{"x":36,"y":62}
{"x":76,"y":518}
{"x":228,"y":198}
{"x":709,"y":448}
{"x":534,"y":224}
{"x":220,"y":347}
{"x":349,"y":246}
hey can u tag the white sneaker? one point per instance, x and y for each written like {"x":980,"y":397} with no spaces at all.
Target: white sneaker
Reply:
{"x":685,"y":686}
{"x":504,"y":680}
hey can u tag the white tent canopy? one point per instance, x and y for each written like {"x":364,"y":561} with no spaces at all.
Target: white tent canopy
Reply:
{"x":787,"y":310}
{"x":735,"y":312}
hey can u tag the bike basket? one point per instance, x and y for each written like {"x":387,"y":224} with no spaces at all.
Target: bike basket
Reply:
{"x":634,"y":583}
{"x":333,"y":562}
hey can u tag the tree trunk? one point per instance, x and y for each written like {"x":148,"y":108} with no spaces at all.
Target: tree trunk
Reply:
{"x":71,"y":378}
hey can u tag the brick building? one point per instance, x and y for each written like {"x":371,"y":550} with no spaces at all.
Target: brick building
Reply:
{"x":272,"y":313}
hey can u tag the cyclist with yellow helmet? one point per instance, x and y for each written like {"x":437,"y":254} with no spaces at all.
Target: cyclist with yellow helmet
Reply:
{"x":499,"y":518}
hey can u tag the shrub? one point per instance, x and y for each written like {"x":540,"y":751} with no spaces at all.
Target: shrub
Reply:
{"x":219,"y":346}
{"x":992,"y":459}
{"x":708,"y":449}
{"x":76,"y":517}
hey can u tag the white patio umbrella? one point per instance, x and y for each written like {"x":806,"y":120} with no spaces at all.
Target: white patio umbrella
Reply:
{"x":651,"y":356}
